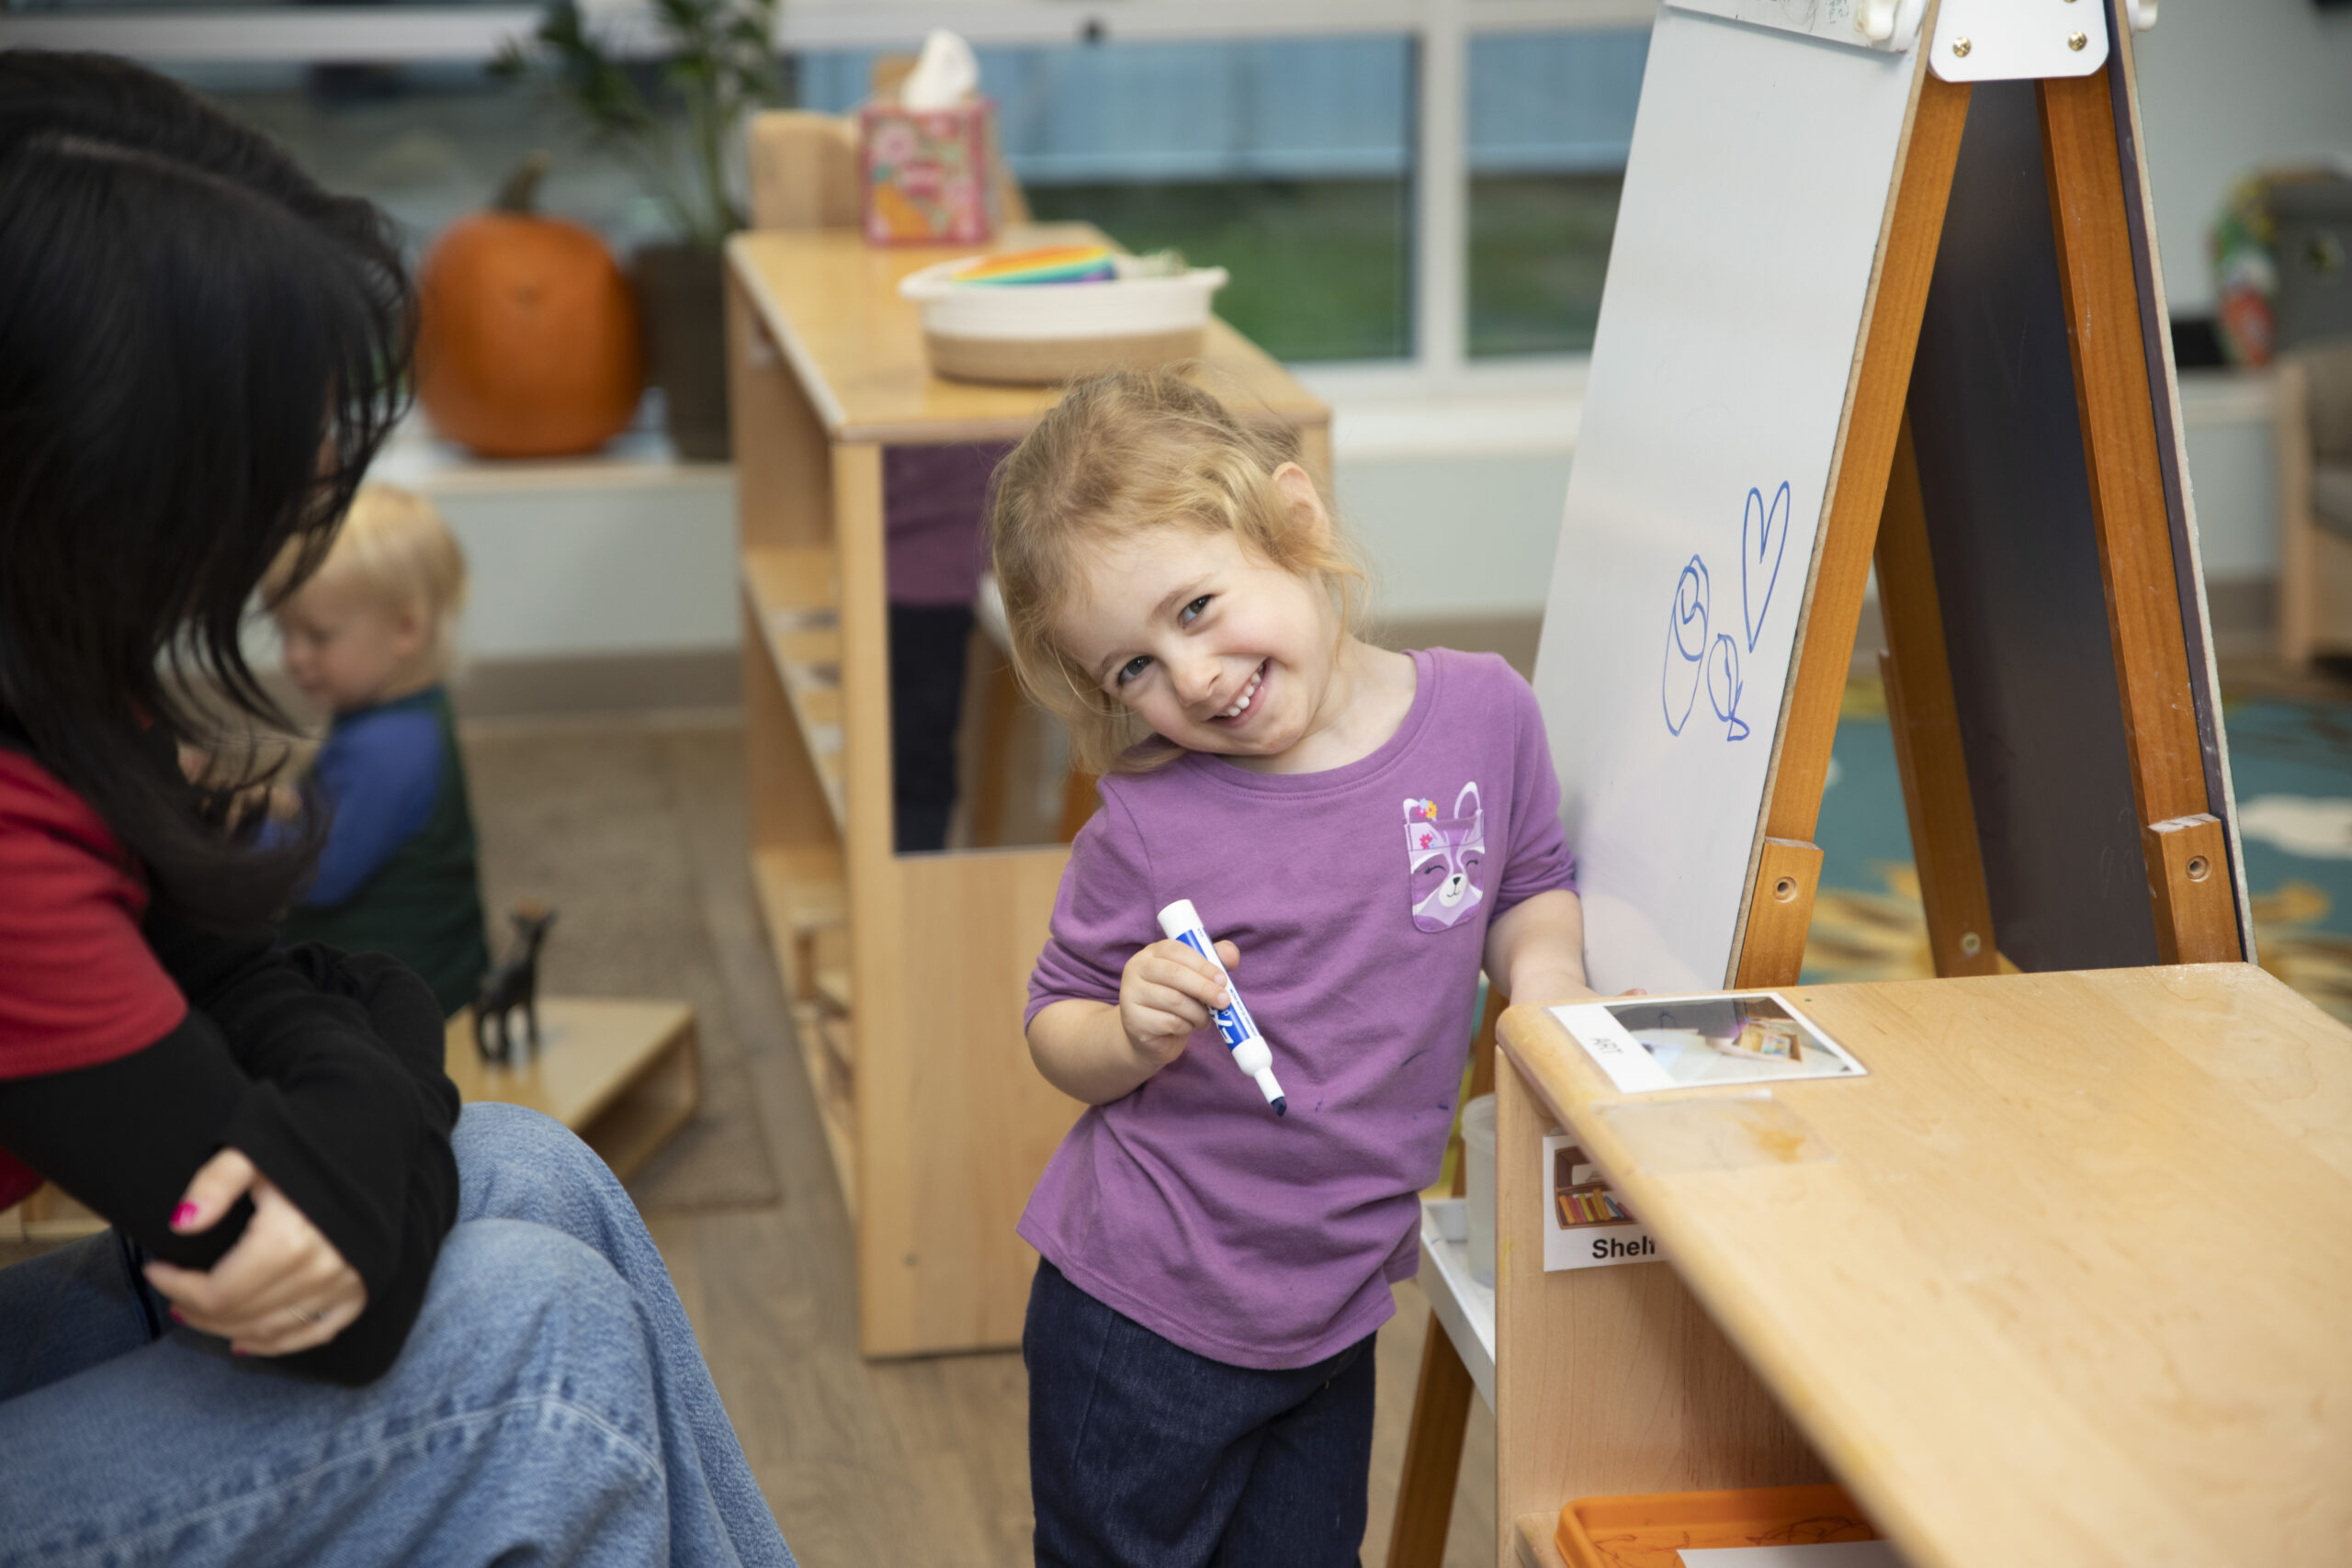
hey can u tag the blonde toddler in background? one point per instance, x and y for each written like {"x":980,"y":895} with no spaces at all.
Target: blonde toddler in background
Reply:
{"x":371,"y":636}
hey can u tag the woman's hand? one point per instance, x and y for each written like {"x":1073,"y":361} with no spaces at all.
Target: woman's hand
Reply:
{"x":1166,"y":992}
{"x":282,"y":1288}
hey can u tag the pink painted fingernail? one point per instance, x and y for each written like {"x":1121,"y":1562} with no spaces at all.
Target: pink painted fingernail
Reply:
{"x":176,"y":1315}
{"x":185,"y":1214}
{"x":235,"y":1351}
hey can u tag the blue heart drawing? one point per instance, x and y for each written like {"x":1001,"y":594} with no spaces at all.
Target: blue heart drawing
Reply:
{"x":1763,"y":535}
{"x":1686,"y":643}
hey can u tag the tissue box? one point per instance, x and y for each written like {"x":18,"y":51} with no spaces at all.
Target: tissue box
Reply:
{"x":925,"y":173}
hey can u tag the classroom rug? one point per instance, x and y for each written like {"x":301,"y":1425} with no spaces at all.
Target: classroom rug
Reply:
{"x":2291,"y":767}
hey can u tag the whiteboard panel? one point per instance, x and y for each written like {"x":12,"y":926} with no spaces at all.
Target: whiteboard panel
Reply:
{"x":1760,"y":169}
{"x":1859,"y":24}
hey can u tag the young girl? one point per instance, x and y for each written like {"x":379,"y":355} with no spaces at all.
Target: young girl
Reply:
{"x":337,"y":1321}
{"x":1363,"y":830}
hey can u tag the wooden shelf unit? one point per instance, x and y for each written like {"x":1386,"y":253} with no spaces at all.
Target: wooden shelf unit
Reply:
{"x":907,"y":973}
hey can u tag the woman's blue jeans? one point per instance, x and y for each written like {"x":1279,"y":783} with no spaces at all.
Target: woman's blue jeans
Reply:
{"x":550,"y":1406}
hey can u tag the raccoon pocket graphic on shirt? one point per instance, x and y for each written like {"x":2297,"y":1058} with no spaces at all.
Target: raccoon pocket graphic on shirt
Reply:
{"x":1445,"y":855}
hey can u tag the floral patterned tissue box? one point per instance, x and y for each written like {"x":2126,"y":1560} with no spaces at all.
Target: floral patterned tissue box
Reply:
{"x":925,"y":173}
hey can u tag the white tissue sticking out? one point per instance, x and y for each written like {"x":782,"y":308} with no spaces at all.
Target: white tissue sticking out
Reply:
{"x":944,"y":76}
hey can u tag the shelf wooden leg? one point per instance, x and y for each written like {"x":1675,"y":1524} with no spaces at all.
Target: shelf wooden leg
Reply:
{"x":1432,"y":1455}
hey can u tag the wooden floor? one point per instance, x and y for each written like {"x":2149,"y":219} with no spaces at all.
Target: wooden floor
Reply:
{"x":889,"y":1462}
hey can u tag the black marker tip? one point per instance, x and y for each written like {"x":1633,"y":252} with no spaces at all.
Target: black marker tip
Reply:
{"x":1282,"y":1105}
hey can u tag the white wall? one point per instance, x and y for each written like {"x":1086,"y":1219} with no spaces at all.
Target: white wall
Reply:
{"x":2232,"y":473}
{"x":2225,"y":86}
{"x":1469,"y":535}
{"x":632,"y":570}
{"x":633,"y":554}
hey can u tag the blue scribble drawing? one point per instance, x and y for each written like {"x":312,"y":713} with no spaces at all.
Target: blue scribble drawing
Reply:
{"x":1723,"y":684}
{"x":1693,"y":649}
{"x":1759,"y":539}
{"x":1686,"y":645}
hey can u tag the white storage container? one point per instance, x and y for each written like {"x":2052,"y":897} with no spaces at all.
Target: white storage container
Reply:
{"x":1035,"y":332}
{"x":1478,"y":1170}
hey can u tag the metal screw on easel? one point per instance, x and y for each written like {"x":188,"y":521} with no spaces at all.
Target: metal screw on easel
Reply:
{"x":1961,"y":47}
{"x":1971,"y":944}
{"x":2075,"y":41}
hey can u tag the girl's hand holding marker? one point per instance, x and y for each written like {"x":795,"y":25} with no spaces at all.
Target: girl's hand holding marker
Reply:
{"x":1234,"y":1024}
{"x":1167,"y":991}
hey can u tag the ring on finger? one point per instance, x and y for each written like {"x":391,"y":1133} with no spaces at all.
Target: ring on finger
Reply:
{"x":307,"y":1318}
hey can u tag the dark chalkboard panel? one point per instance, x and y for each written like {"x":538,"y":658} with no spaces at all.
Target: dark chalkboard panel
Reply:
{"x":2009,"y":520}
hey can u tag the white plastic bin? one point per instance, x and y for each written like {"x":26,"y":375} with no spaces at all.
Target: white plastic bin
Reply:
{"x":1478,"y":1168}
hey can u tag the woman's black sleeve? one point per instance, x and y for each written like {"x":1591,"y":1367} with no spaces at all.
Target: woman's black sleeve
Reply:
{"x":261,"y":996}
{"x":318,"y":1068}
{"x":124,"y":1137}
{"x":350,"y":1114}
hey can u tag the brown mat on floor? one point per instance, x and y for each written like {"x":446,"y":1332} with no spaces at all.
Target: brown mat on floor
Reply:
{"x":593,"y":822}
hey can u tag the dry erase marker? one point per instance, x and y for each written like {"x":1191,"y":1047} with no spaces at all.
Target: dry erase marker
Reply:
{"x":1234,"y":1024}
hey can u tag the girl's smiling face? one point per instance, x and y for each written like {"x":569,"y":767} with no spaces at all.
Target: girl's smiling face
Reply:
{"x":1217,"y":651}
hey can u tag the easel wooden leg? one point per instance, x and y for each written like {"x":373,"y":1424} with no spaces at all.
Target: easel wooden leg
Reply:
{"x":1432,"y":1455}
{"x":1924,"y":715}
{"x":1770,"y":943}
{"x":1441,"y":1400}
{"x":2194,"y":897}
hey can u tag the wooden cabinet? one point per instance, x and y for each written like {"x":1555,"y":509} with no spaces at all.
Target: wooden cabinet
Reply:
{"x":906,"y":974}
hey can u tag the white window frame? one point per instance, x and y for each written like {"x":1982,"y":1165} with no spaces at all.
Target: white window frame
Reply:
{"x":1439,"y":368}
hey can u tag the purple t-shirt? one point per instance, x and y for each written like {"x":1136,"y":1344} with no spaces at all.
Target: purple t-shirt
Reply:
{"x":1359,"y":898}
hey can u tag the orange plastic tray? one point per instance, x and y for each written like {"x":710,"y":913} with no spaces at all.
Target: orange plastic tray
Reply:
{"x":1647,"y":1533}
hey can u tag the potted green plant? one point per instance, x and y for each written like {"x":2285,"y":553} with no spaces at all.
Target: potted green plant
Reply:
{"x":677,"y":117}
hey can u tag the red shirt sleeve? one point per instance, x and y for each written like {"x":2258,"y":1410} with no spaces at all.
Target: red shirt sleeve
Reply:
{"x":78,"y":984}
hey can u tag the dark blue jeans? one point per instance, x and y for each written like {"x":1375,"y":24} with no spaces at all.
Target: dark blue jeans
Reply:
{"x":1145,"y":1455}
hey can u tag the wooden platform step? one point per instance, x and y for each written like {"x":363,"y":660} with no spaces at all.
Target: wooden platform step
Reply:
{"x":623,"y":1074}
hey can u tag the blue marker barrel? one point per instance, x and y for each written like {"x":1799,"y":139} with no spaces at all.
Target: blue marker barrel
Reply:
{"x":1234,"y":1024}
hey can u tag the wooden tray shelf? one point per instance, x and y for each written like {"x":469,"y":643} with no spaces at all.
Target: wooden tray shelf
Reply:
{"x":802,"y":898}
{"x":791,"y":592}
{"x":836,"y":1103}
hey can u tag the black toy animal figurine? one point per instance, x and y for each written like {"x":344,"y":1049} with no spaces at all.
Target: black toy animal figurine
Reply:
{"x":512,"y":983}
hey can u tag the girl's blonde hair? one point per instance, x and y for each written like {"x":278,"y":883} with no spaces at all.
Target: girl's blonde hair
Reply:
{"x":394,"y":545}
{"x":1125,"y":452}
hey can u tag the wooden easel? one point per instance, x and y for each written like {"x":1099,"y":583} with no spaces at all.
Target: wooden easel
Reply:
{"x":1957,"y":564}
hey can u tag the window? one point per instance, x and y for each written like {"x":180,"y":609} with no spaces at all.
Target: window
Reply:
{"x":1422,"y":204}
{"x":1551,"y":121}
{"x":1285,"y":160}
{"x":430,"y":142}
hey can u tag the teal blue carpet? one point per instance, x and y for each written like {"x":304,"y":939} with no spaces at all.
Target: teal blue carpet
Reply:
{"x":2291,"y":763}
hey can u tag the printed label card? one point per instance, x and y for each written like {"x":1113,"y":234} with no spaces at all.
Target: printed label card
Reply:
{"x":1585,"y":1226}
{"x":1646,"y":1044}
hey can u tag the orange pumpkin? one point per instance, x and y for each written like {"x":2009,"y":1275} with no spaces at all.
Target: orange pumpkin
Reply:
{"x":527,"y":342}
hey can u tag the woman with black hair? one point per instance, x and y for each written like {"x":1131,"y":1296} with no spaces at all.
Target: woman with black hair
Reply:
{"x":336,"y":1321}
